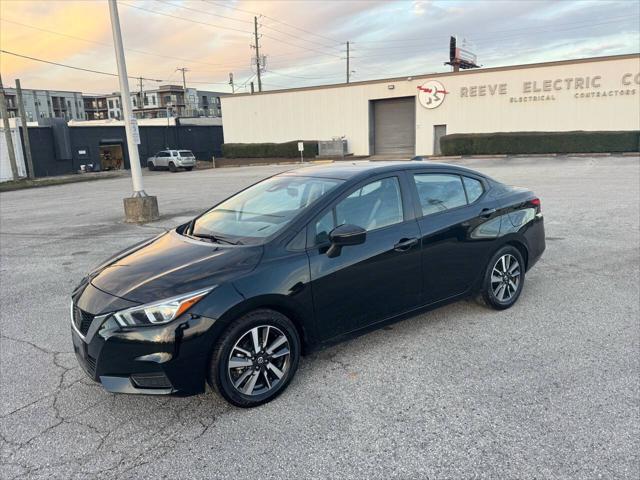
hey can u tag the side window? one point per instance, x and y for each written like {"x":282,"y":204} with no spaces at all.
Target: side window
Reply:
{"x":323,"y":226}
{"x":375,"y":205}
{"x":473,"y":187}
{"x":439,"y":192}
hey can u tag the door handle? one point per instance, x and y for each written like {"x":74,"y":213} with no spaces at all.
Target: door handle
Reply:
{"x":487,"y":212}
{"x":405,"y":244}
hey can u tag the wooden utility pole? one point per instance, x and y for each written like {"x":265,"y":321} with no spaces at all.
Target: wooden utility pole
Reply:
{"x":25,"y":130}
{"x":140,"y":100}
{"x":7,"y":132}
{"x":348,"y":62}
{"x":255,"y":32}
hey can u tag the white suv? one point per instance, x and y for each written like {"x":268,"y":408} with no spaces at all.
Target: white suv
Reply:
{"x":172,"y":159}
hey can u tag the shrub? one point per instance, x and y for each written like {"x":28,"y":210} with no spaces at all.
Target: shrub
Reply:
{"x":539,"y":142}
{"x":269,"y":150}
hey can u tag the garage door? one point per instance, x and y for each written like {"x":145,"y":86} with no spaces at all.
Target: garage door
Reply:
{"x":394,"y":125}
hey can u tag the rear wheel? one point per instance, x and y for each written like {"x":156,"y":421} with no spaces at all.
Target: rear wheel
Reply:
{"x":255,"y":358}
{"x":172,"y":167}
{"x":151,"y":166}
{"x":188,"y":169}
{"x":504,"y":278}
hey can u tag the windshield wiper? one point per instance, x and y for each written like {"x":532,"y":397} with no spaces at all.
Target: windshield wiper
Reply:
{"x":215,"y":238}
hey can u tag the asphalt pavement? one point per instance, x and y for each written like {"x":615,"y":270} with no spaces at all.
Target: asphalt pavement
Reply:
{"x":547,"y":389}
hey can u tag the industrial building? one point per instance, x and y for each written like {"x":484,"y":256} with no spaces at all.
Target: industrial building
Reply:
{"x":408,"y":115}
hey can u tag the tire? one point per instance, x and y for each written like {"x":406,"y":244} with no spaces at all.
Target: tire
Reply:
{"x":498,"y":290}
{"x":172,"y":167}
{"x":188,"y":169}
{"x":151,"y":166}
{"x":261,"y":377}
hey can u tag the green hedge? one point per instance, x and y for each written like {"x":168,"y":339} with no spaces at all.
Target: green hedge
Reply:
{"x":539,"y":142}
{"x":269,"y":150}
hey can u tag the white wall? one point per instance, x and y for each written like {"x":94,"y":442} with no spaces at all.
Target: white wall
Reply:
{"x":5,"y":164}
{"x":325,"y":112}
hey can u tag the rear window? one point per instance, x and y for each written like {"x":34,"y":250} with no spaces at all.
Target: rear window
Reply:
{"x":473,"y":187}
{"x":185,"y":153}
{"x":439,"y":192}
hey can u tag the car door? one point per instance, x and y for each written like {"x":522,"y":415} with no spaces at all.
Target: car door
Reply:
{"x":372,"y":281}
{"x":450,"y":210}
{"x":160,"y":159}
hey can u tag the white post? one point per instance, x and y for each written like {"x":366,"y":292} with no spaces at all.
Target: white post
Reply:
{"x":130,"y":127}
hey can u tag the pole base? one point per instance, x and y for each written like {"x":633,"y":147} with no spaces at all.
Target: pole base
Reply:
{"x":141,"y":209}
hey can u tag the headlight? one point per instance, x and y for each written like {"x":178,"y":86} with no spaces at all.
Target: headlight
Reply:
{"x":160,"y":312}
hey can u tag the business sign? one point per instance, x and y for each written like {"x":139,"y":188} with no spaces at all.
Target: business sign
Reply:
{"x":431,"y":94}
{"x":551,"y":89}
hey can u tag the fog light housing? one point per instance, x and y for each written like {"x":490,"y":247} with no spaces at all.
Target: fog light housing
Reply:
{"x":150,"y":380}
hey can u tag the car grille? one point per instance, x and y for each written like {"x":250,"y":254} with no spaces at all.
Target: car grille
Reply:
{"x":82,"y":320}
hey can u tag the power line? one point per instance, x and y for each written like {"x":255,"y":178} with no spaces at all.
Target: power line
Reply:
{"x":248,"y":22}
{"x":189,"y":60}
{"x":274,"y":19}
{"x":185,"y":19}
{"x":305,"y":78}
{"x":227,"y":28}
{"x":482,"y":41}
{"x":580,"y":24}
{"x":76,"y":68}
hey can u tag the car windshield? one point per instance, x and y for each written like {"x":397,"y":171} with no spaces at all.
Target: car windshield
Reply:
{"x":185,"y":153}
{"x":261,"y":210}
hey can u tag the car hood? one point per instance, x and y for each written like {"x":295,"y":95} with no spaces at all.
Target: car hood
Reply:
{"x":171,"y":265}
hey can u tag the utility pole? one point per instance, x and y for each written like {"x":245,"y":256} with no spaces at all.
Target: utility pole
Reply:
{"x":140,"y":95}
{"x":347,"y":62}
{"x":255,"y":32}
{"x":233,"y":88}
{"x":7,"y":132}
{"x":184,"y":86}
{"x":252,"y":90}
{"x":184,"y":82}
{"x":139,"y":207}
{"x":25,"y":130}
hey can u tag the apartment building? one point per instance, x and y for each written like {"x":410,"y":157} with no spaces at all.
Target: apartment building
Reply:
{"x":46,"y":104}
{"x":167,"y":100}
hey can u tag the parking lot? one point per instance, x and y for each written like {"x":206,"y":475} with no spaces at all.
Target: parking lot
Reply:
{"x":547,"y":389}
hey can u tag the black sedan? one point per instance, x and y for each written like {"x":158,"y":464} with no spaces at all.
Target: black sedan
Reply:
{"x":296,"y":262}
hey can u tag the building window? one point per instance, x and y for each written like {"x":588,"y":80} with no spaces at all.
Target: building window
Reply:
{"x":110,"y":103}
{"x":134,"y":102}
{"x":146,"y":100}
{"x":153,"y":99}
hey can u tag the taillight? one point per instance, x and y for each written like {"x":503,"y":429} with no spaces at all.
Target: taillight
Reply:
{"x":536,"y":203}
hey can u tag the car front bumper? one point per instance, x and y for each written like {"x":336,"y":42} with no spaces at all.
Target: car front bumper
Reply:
{"x":156,"y":360}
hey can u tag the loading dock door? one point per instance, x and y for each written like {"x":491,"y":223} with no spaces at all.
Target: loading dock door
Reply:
{"x":394,"y":127}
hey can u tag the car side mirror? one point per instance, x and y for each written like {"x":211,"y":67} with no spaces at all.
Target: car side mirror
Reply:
{"x":343,"y":236}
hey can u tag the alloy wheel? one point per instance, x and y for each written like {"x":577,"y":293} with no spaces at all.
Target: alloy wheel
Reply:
{"x":505,"y":277}
{"x":259,"y":360}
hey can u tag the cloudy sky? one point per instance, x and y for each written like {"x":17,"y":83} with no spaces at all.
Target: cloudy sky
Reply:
{"x":304,"y":41}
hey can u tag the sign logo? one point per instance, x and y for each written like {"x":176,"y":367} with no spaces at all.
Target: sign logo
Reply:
{"x":431,"y":94}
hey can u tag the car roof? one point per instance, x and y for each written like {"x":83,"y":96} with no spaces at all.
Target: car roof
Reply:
{"x":347,"y":170}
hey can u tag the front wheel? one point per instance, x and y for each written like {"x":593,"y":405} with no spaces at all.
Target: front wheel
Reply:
{"x":151,"y":166}
{"x":504,"y":278}
{"x":255,"y":358}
